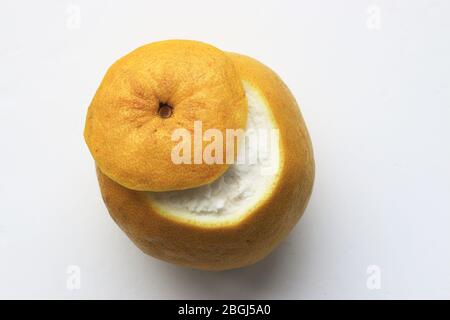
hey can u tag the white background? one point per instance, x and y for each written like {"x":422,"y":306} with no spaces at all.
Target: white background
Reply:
{"x":372,"y":79}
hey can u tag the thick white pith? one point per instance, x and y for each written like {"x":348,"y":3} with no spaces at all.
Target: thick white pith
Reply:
{"x":244,"y":185}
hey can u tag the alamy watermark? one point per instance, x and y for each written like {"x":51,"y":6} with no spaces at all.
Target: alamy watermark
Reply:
{"x":373,"y":281}
{"x":236,"y":146}
{"x":373,"y":21}
{"x":73,"y":281}
{"x":73,"y":17}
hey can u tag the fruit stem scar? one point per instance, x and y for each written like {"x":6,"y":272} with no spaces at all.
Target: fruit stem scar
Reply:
{"x":164,"y":110}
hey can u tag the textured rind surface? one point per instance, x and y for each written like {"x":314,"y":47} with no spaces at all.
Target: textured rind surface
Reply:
{"x":132,"y":144}
{"x":228,"y":246}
